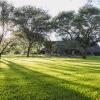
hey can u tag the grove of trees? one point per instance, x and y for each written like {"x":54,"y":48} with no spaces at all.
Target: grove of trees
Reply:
{"x":29,"y":27}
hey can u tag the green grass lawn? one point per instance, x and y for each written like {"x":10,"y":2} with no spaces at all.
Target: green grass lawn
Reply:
{"x":49,"y":78}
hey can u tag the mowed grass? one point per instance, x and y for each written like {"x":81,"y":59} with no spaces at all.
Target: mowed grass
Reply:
{"x":49,"y":78}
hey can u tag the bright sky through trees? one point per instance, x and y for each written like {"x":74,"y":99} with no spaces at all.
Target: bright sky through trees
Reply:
{"x":52,"y":6}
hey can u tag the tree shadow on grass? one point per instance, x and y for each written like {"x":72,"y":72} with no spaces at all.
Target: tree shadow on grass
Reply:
{"x":88,"y":65}
{"x":73,"y":68}
{"x":39,"y":86}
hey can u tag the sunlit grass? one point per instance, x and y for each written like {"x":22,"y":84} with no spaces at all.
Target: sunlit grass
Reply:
{"x":42,"y":78}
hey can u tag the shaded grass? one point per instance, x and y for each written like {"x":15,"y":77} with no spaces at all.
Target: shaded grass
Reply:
{"x":49,"y":79}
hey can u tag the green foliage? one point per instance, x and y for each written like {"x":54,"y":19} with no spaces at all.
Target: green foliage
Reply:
{"x":87,"y":24}
{"x":48,"y":45}
{"x":32,"y":23}
{"x":62,"y":24}
{"x":83,"y":27}
{"x":6,"y":12}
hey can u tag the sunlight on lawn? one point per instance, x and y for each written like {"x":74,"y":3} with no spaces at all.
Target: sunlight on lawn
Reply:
{"x":50,"y":78}
{"x":3,"y":65}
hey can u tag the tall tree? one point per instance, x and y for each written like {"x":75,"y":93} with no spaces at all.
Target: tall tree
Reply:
{"x":63,"y":25}
{"x":6,"y":11}
{"x":7,"y":42}
{"x":87,"y":26}
{"x":83,"y":27}
{"x":32,"y":23}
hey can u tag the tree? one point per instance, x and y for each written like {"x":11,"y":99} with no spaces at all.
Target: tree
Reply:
{"x":63,"y":25}
{"x":8,"y":42}
{"x":6,"y":11}
{"x":48,"y":46}
{"x":32,"y":23}
{"x":87,"y":26}
{"x":83,"y":27}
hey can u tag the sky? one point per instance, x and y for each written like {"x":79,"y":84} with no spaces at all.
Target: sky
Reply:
{"x":52,"y":6}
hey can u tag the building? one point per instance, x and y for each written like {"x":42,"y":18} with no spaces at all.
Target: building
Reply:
{"x":68,"y":48}
{"x":95,"y":50}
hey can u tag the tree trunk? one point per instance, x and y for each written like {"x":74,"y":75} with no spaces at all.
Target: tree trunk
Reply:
{"x":73,"y":52}
{"x":0,"y":55}
{"x":4,"y":49}
{"x":84,"y":54}
{"x":29,"y":48}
